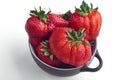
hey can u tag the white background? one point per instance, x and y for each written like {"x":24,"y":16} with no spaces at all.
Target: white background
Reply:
{"x":16,"y":62}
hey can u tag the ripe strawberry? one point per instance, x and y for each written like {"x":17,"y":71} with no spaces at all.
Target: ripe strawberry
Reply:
{"x":34,"y":41}
{"x":88,"y":18}
{"x":43,"y":52}
{"x":57,"y":20}
{"x":70,"y":46}
{"x":40,"y":24}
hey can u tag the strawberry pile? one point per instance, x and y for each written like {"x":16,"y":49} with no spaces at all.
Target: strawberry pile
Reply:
{"x":64,"y":39}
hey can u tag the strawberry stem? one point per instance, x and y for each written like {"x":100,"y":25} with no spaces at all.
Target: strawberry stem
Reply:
{"x":40,"y":14}
{"x":85,"y":9}
{"x":77,"y":37}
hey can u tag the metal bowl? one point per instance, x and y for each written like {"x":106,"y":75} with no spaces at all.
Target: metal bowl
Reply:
{"x":71,"y":70}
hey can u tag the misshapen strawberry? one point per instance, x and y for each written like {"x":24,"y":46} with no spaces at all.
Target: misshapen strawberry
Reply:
{"x":88,"y":18}
{"x":43,"y":52}
{"x":70,"y":46}
{"x":40,"y":24}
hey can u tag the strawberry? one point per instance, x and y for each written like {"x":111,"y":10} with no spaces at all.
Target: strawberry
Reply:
{"x":70,"y":46}
{"x":44,"y":53}
{"x":40,"y":24}
{"x":34,"y":41}
{"x":57,"y":20}
{"x":87,"y":17}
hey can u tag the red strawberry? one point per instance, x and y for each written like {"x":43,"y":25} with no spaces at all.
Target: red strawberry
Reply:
{"x":70,"y":46}
{"x":34,"y":41}
{"x":40,"y":24}
{"x":36,"y":29}
{"x":57,"y":20}
{"x":88,"y":18}
{"x":43,"y":52}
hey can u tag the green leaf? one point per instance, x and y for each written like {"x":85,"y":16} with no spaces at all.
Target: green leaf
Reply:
{"x":70,"y":35}
{"x":76,"y":35}
{"x":95,"y":9}
{"x":51,"y":56}
{"x":91,"y":6}
{"x":85,"y":9}
{"x":82,"y":36}
{"x":45,"y":44}
{"x":85,"y":43}
{"x":79,"y":32}
{"x":36,"y":10}
{"x":49,"y":12}
{"x":40,"y":14}
{"x":83,"y":13}
{"x":73,"y":32}
{"x":43,"y":50}
{"x":77,"y":43}
{"x":46,"y":53}
{"x":77,"y":9}
{"x":84,"y":6}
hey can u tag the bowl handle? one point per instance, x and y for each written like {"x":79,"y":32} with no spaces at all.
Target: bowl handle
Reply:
{"x":86,"y":68}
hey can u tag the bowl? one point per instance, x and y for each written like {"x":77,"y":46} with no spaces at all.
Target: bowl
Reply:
{"x":69,"y":71}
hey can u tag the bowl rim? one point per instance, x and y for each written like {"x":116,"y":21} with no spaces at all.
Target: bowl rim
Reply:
{"x":57,"y":68}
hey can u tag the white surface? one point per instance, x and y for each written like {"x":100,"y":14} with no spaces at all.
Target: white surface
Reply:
{"x":16,"y":62}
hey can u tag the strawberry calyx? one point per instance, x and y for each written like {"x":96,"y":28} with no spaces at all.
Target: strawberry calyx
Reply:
{"x":40,"y":14}
{"x":46,"y":49}
{"x":66,"y":15}
{"x":77,"y":37}
{"x":85,"y":9}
